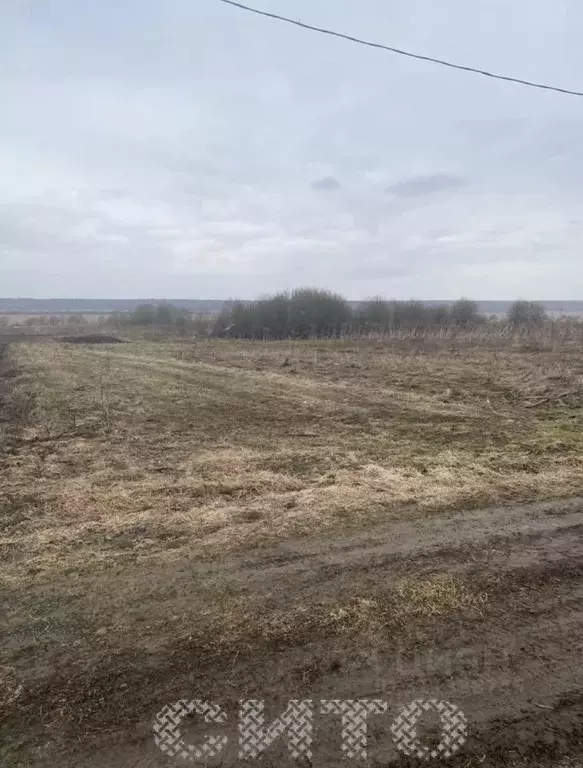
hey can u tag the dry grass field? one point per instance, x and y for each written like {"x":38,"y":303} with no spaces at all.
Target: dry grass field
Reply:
{"x":221,"y":519}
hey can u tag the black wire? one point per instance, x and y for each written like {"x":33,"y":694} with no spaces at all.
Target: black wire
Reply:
{"x":401,"y":52}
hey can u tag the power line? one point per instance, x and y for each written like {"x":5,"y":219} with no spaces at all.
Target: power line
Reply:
{"x":442,"y":62}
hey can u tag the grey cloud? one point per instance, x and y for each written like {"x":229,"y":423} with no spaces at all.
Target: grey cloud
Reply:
{"x":132,"y":165}
{"x":416,"y":186}
{"x":70,"y":238}
{"x":380,"y":271}
{"x":113,"y":194}
{"x":326,"y":183}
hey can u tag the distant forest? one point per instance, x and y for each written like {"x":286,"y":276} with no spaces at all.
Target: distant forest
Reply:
{"x":314,"y":313}
{"x":214,"y":306}
{"x":102,"y":306}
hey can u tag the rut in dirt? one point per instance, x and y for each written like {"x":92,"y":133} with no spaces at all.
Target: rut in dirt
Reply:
{"x":511,"y":662}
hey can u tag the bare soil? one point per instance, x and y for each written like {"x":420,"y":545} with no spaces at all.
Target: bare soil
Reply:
{"x":187,"y":521}
{"x":91,"y":338}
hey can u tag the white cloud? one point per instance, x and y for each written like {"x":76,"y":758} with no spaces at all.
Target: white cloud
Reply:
{"x":189,"y":149}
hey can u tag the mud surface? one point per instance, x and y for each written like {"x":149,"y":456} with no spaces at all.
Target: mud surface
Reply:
{"x":115,"y":605}
{"x":91,"y":338}
{"x":514,"y":667}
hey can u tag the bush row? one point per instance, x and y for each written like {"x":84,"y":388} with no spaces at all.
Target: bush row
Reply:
{"x":309,"y":312}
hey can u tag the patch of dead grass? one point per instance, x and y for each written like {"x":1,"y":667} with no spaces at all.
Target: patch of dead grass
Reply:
{"x":135,"y":470}
{"x":231,"y":457}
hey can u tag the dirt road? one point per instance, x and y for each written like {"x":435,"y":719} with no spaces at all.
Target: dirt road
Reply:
{"x":511,"y":662}
{"x":149,"y":559}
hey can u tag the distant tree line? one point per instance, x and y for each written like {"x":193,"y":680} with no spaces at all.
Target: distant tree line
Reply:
{"x":529,"y":314}
{"x":55,"y":320}
{"x":312,"y":312}
{"x":163,"y":315}
{"x":308,"y":313}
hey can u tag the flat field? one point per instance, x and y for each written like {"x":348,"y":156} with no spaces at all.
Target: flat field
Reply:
{"x":313,"y":520}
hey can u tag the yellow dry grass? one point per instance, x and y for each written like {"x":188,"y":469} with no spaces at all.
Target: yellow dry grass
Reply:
{"x":219,"y":458}
{"x":126,"y":469}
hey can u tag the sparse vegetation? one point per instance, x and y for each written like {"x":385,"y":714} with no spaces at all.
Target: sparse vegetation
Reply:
{"x":311,"y":313}
{"x":526,"y":314}
{"x":464,"y":313}
{"x":268,"y":516}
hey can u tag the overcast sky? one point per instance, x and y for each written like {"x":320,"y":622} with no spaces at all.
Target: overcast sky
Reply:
{"x":185,"y":148}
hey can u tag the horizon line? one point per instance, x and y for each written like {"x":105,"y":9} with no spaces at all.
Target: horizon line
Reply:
{"x":259,"y":296}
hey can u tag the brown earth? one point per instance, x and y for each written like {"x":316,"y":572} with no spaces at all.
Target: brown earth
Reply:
{"x":91,"y":338}
{"x":196,"y":521}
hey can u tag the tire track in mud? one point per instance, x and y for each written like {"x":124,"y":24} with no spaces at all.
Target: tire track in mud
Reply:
{"x":516,"y":671}
{"x":514,"y":668}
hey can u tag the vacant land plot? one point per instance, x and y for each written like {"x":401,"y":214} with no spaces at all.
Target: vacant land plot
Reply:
{"x":222,"y":520}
